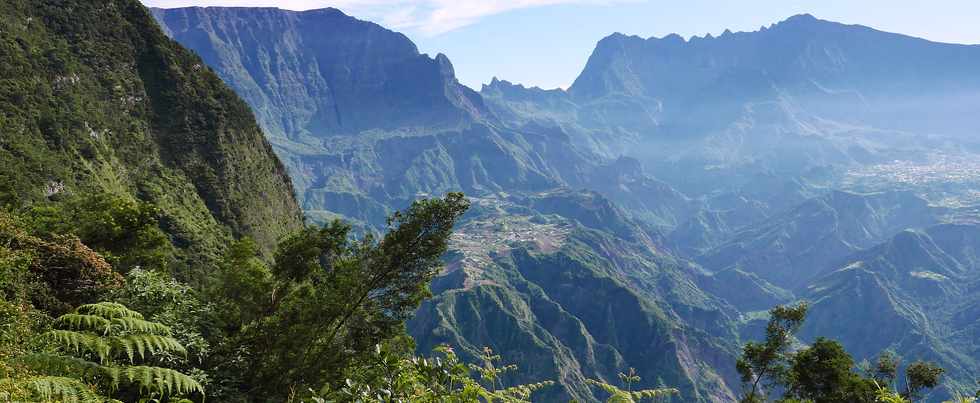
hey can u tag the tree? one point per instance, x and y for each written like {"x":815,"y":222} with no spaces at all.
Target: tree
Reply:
{"x":918,"y":376}
{"x":885,"y":370}
{"x":101,"y":349}
{"x":822,"y":373}
{"x":329,"y":299}
{"x":763,"y":365}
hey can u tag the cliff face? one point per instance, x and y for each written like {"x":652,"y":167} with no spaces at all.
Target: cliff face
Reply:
{"x":842,"y":72}
{"x":366,"y":124}
{"x":95,"y":98}
{"x":320,"y":73}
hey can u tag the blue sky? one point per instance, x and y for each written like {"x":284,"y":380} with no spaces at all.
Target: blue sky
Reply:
{"x":546,"y":42}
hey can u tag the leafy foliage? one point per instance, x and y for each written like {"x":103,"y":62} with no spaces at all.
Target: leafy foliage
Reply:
{"x":763,"y":365}
{"x":102,"y":344}
{"x":394,"y":377}
{"x":617,"y":395}
{"x":824,"y":372}
{"x":123,"y":230}
{"x":328,"y":299}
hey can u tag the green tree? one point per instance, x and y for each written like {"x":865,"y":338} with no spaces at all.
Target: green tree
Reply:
{"x":822,"y":373}
{"x":764,"y":365}
{"x":123,"y":230}
{"x":329,"y":299}
{"x":919,"y":376}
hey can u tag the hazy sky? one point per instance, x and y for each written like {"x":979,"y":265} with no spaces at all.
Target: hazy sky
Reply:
{"x":546,"y":42}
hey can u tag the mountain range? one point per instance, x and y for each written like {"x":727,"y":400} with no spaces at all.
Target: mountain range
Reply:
{"x":647,"y":216}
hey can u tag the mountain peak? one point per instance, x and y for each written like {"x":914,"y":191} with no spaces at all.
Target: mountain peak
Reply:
{"x":804,"y":18}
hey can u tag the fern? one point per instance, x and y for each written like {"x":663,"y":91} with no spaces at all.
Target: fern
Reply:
{"x":618,"y":395}
{"x":139,"y":344}
{"x":140,"y":325}
{"x":109,"y":310}
{"x":62,"y":389}
{"x":77,"y":321}
{"x":164,"y":381}
{"x":112,"y":333}
{"x":78,"y":342}
{"x":61,"y":365}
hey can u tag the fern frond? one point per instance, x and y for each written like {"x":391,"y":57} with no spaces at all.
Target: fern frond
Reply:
{"x":59,"y":365}
{"x":140,"y":325}
{"x":161,"y":380}
{"x":75,"y":321}
{"x":109,"y":310}
{"x":604,"y":386}
{"x":63,"y":389}
{"x":523,"y":392}
{"x":79,"y":342}
{"x":139,"y":344}
{"x":653,"y":393}
{"x":619,"y":395}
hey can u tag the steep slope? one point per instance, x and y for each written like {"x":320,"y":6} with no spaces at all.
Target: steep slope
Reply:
{"x":96,"y":99}
{"x":794,"y":247}
{"x":915,"y":294}
{"x":579,"y":295}
{"x":366,"y":124}
{"x":320,"y":72}
{"x":803,"y":99}
{"x":847,"y":73}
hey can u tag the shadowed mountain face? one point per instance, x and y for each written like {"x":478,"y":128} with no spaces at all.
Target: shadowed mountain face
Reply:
{"x":645,"y":216}
{"x":321,"y":73}
{"x":792,"y":248}
{"x":366,"y":124}
{"x":97,"y":100}
{"x":916,"y":293}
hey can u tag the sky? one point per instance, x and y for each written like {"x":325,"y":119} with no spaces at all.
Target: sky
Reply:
{"x":546,"y":43}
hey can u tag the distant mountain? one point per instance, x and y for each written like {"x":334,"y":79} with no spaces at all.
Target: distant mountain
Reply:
{"x":917,"y":293}
{"x":366,"y":124}
{"x":790,"y":249}
{"x":800,"y":97}
{"x":97,"y":100}
{"x":846,"y":73}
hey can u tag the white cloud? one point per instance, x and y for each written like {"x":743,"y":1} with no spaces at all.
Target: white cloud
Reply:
{"x":426,"y":17}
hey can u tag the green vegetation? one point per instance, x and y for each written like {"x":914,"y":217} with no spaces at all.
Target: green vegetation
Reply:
{"x":104,"y":346}
{"x":617,"y":395}
{"x":823,"y":372}
{"x":309,"y":325}
{"x":395,"y":377}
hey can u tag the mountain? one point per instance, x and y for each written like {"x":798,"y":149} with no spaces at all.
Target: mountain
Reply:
{"x":569,"y":288}
{"x":320,"y":72}
{"x":366,"y":124}
{"x":804,"y":98}
{"x":789,"y":249}
{"x":97,"y":100}
{"x":915,"y":293}
{"x":845,"y":73}
{"x":295,"y":66}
